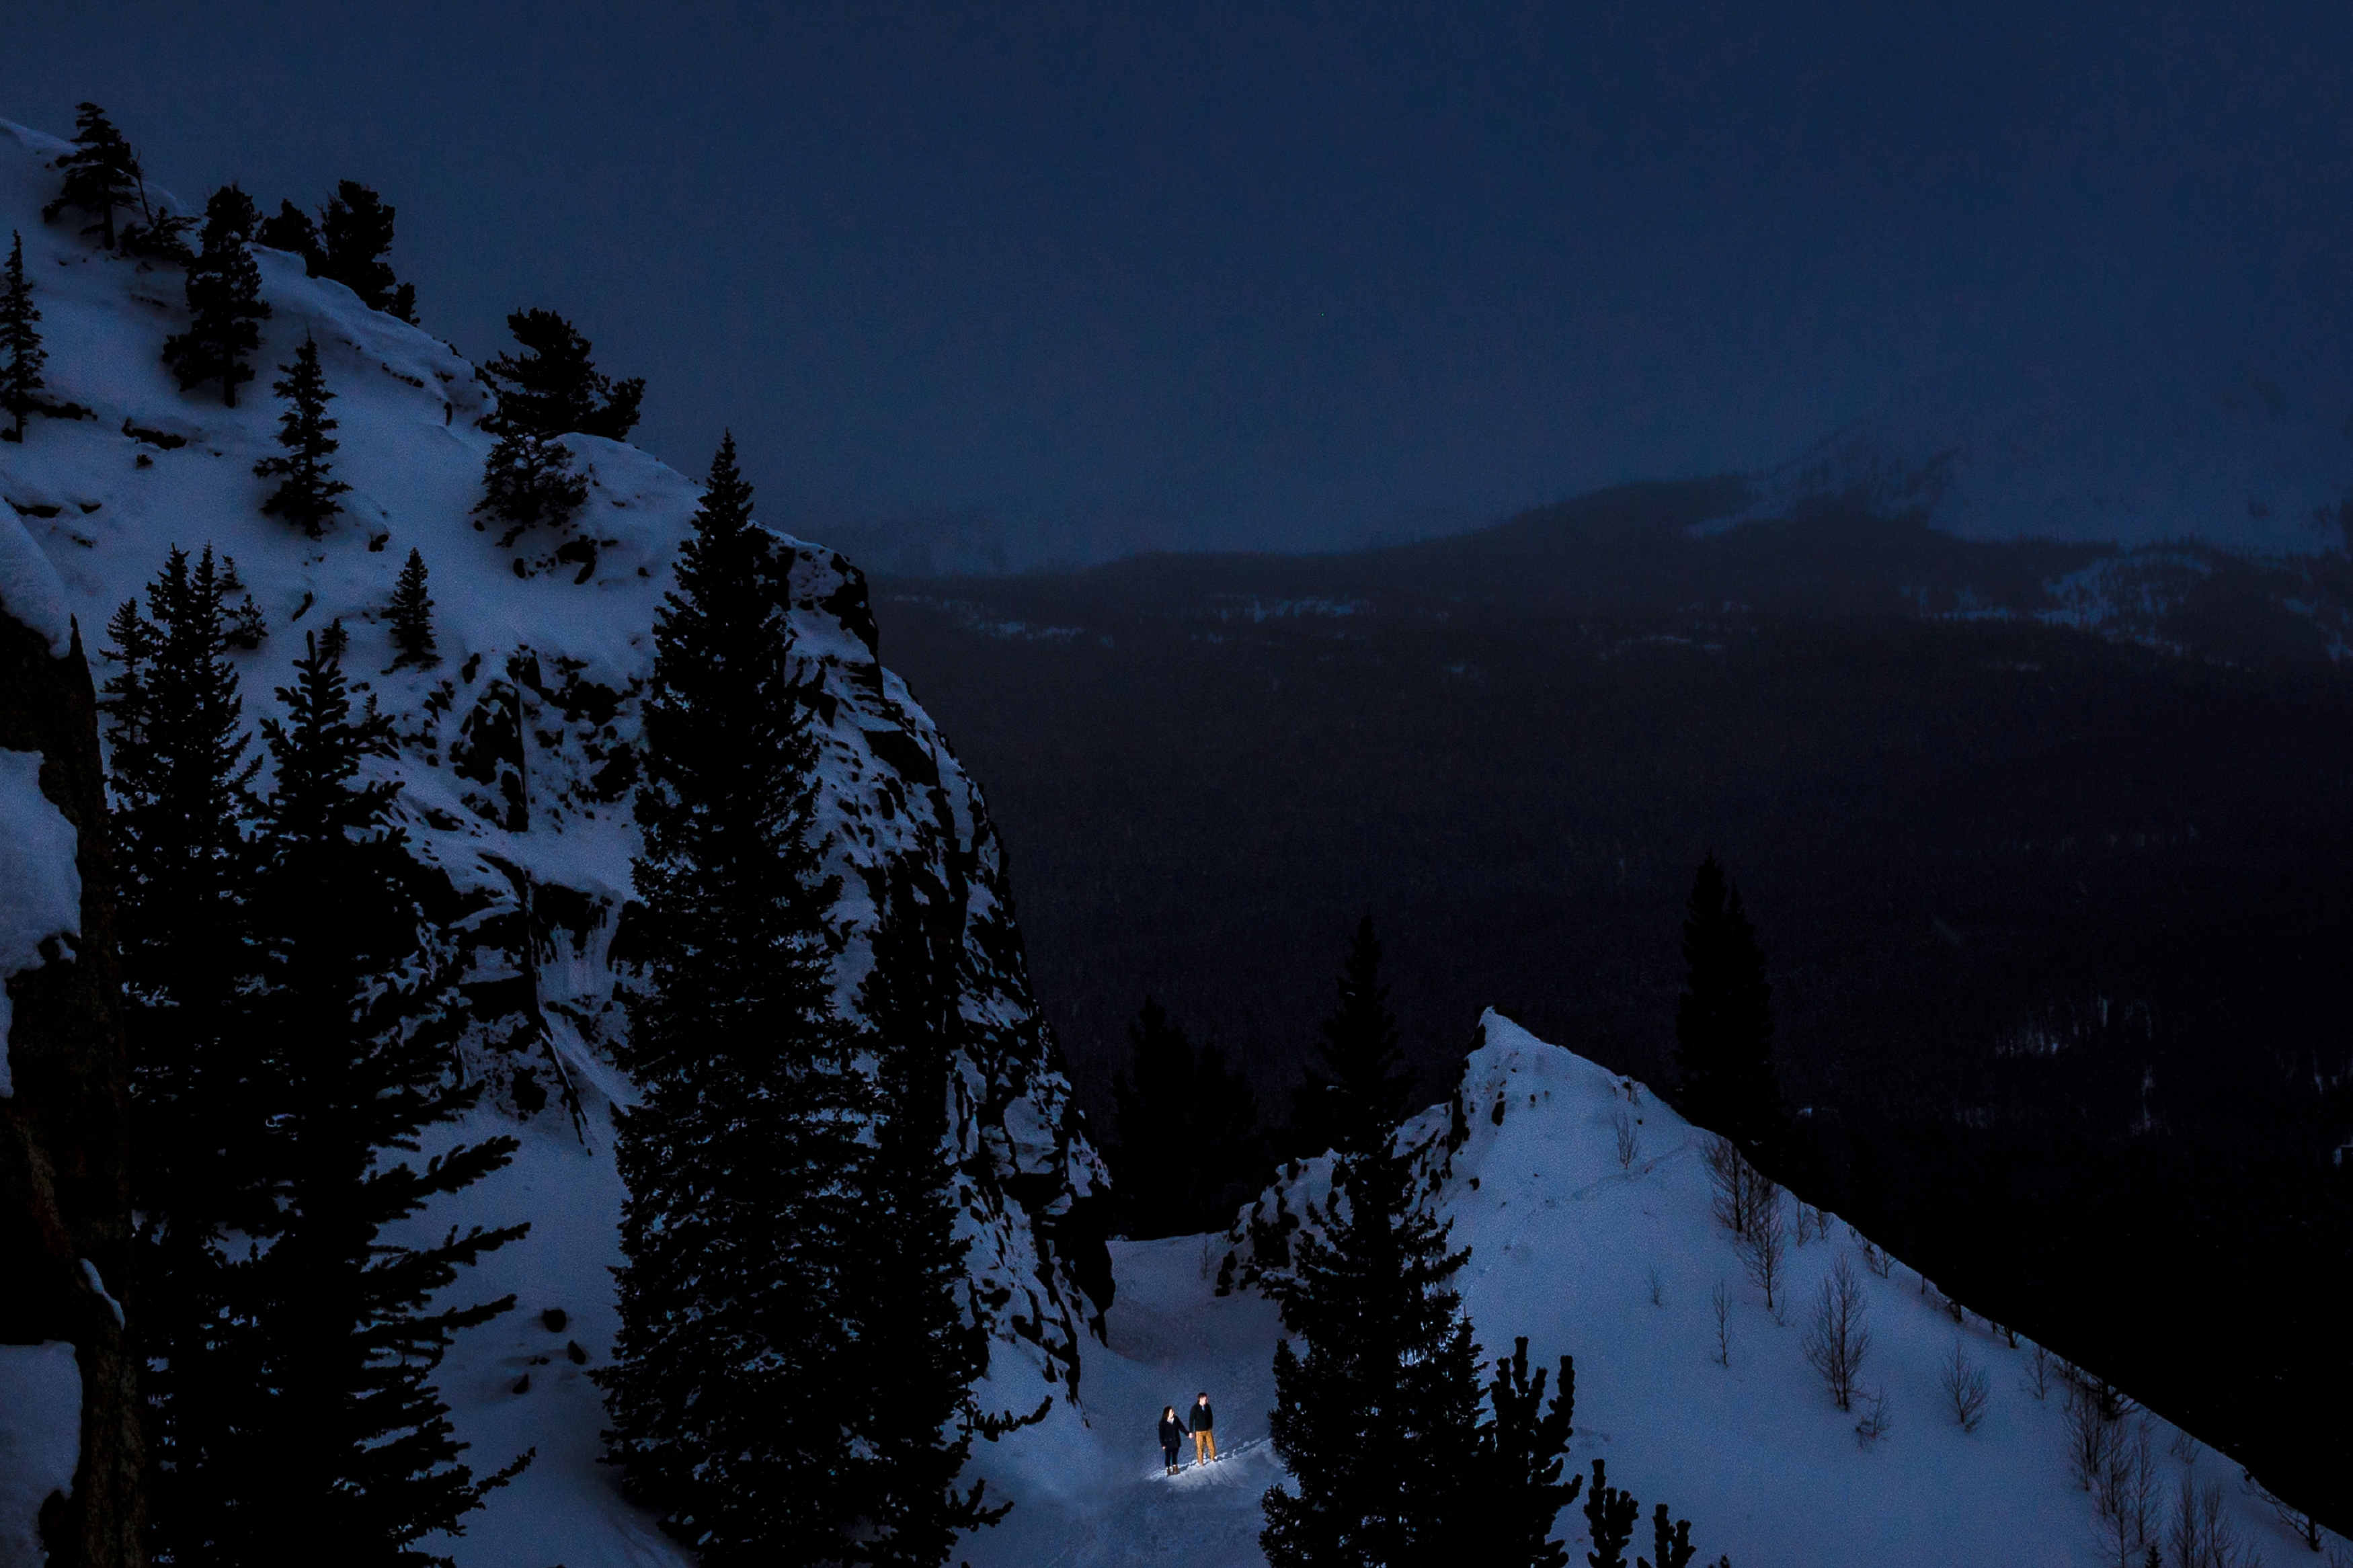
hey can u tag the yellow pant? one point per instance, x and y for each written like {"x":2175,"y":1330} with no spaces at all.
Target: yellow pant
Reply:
{"x":1205,"y":1447}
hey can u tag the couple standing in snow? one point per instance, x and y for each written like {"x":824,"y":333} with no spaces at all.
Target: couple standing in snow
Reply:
{"x":1173,"y":1426}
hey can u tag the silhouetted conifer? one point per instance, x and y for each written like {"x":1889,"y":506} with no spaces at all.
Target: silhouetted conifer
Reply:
{"x":1723,"y":1021}
{"x":354,"y":235}
{"x":412,"y":615}
{"x":102,"y":174}
{"x":20,"y":378}
{"x":347,"y":1440}
{"x":1187,"y":1149}
{"x":1520,"y":1449}
{"x":1670,"y":1544}
{"x":1378,"y":1422}
{"x":1610,"y":1518}
{"x":734,"y":1400}
{"x":307,"y":487}
{"x":529,"y":480}
{"x":552,"y":388}
{"x":223,"y":301}
{"x":178,"y":782}
{"x":292,"y":229}
{"x":915,"y":1356}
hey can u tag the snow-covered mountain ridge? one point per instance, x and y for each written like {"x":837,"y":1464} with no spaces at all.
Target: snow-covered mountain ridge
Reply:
{"x":2137,"y":442}
{"x":517,"y":760}
{"x":1616,"y":1261}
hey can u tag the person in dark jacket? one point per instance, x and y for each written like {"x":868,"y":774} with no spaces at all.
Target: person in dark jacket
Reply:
{"x":1172,"y":1436}
{"x":1205,"y":1444}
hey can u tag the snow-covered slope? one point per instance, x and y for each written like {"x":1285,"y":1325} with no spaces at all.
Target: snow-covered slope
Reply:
{"x":516,"y":767}
{"x":2088,"y":440}
{"x":1616,"y":1265}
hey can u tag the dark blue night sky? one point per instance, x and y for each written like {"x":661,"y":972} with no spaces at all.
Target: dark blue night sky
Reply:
{"x":1268,"y":273}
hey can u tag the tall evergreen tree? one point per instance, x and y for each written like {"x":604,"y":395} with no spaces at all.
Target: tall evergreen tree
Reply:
{"x":179,"y":784}
{"x":734,"y":1403}
{"x":552,"y":388}
{"x":307,"y":487}
{"x":351,"y":1444}
{"x":412,"y":615}
{"x":1186,"y":1151}
{"x":223,"y":301}
{"x":20,"y":378}
{"x":102,"y":174}
{"x":1378,"y":1422}
{"x":916,"y":1356}
{"x":353,"y":239}
{"x":1723,"y":1021}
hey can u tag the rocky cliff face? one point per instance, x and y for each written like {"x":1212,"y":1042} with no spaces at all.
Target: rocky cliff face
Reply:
{"x":518,"y":755}
{"x":64,"y":1213}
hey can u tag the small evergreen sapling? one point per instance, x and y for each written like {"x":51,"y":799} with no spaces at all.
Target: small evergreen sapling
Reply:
{"x":20,"y":378}
{"x":412,"y":616}
{"x":102,"y":174}
{"x":1609,"y":1519}
{"x":527,"y":481}
{"x":307,"y":487}
{"x":223,"y":302}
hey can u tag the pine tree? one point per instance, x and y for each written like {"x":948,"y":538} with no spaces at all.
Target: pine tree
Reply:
{"x":349,"y":1442}
{"x":291,"y":229}
{"x":412,"y":616}
{"x":1724,"y":1022}
{"x":527,"y":481}
{"x":1377,"y":1421}
{"x":179,"y":784}
{"x":1609,"y":1517}
{"x":553,"y":387}
{"x":223,"y":301}
{"x":917,"y":1357}
{"x":307,"y":488}
{"x":20,"y":380}
{"x":101,"y":174}
{"x":733,"y":1402}
{"x":1187,"y":1149}
{"x":353,"y":239}
{"x":1671,"y":1543}
{"x":1520,"y":1449}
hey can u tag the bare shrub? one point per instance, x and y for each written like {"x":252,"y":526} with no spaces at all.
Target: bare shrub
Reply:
{"x":2304,"y":1526}
{"x":1722,"y":1301}
{"x":2095,"y":1411}
{"x":1764,"y":1248}
{"x":1658,"y":1289}
{"x":2200,"y":1534}
{"x":1875,"y":1257}
{"x":1629,"y":1140}
{"x":2038,"y":1373}
{"x":1878,"y":1419}
{"x":1738,"y":1186}
{"x":1840,"y":1338}
{"x":2184,"y":1448}
{"x":1968,"y":1387}
{"x":2124,"y":1494}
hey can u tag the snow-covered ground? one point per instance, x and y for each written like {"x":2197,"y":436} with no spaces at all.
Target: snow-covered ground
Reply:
{"x":1567,"y":1247}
